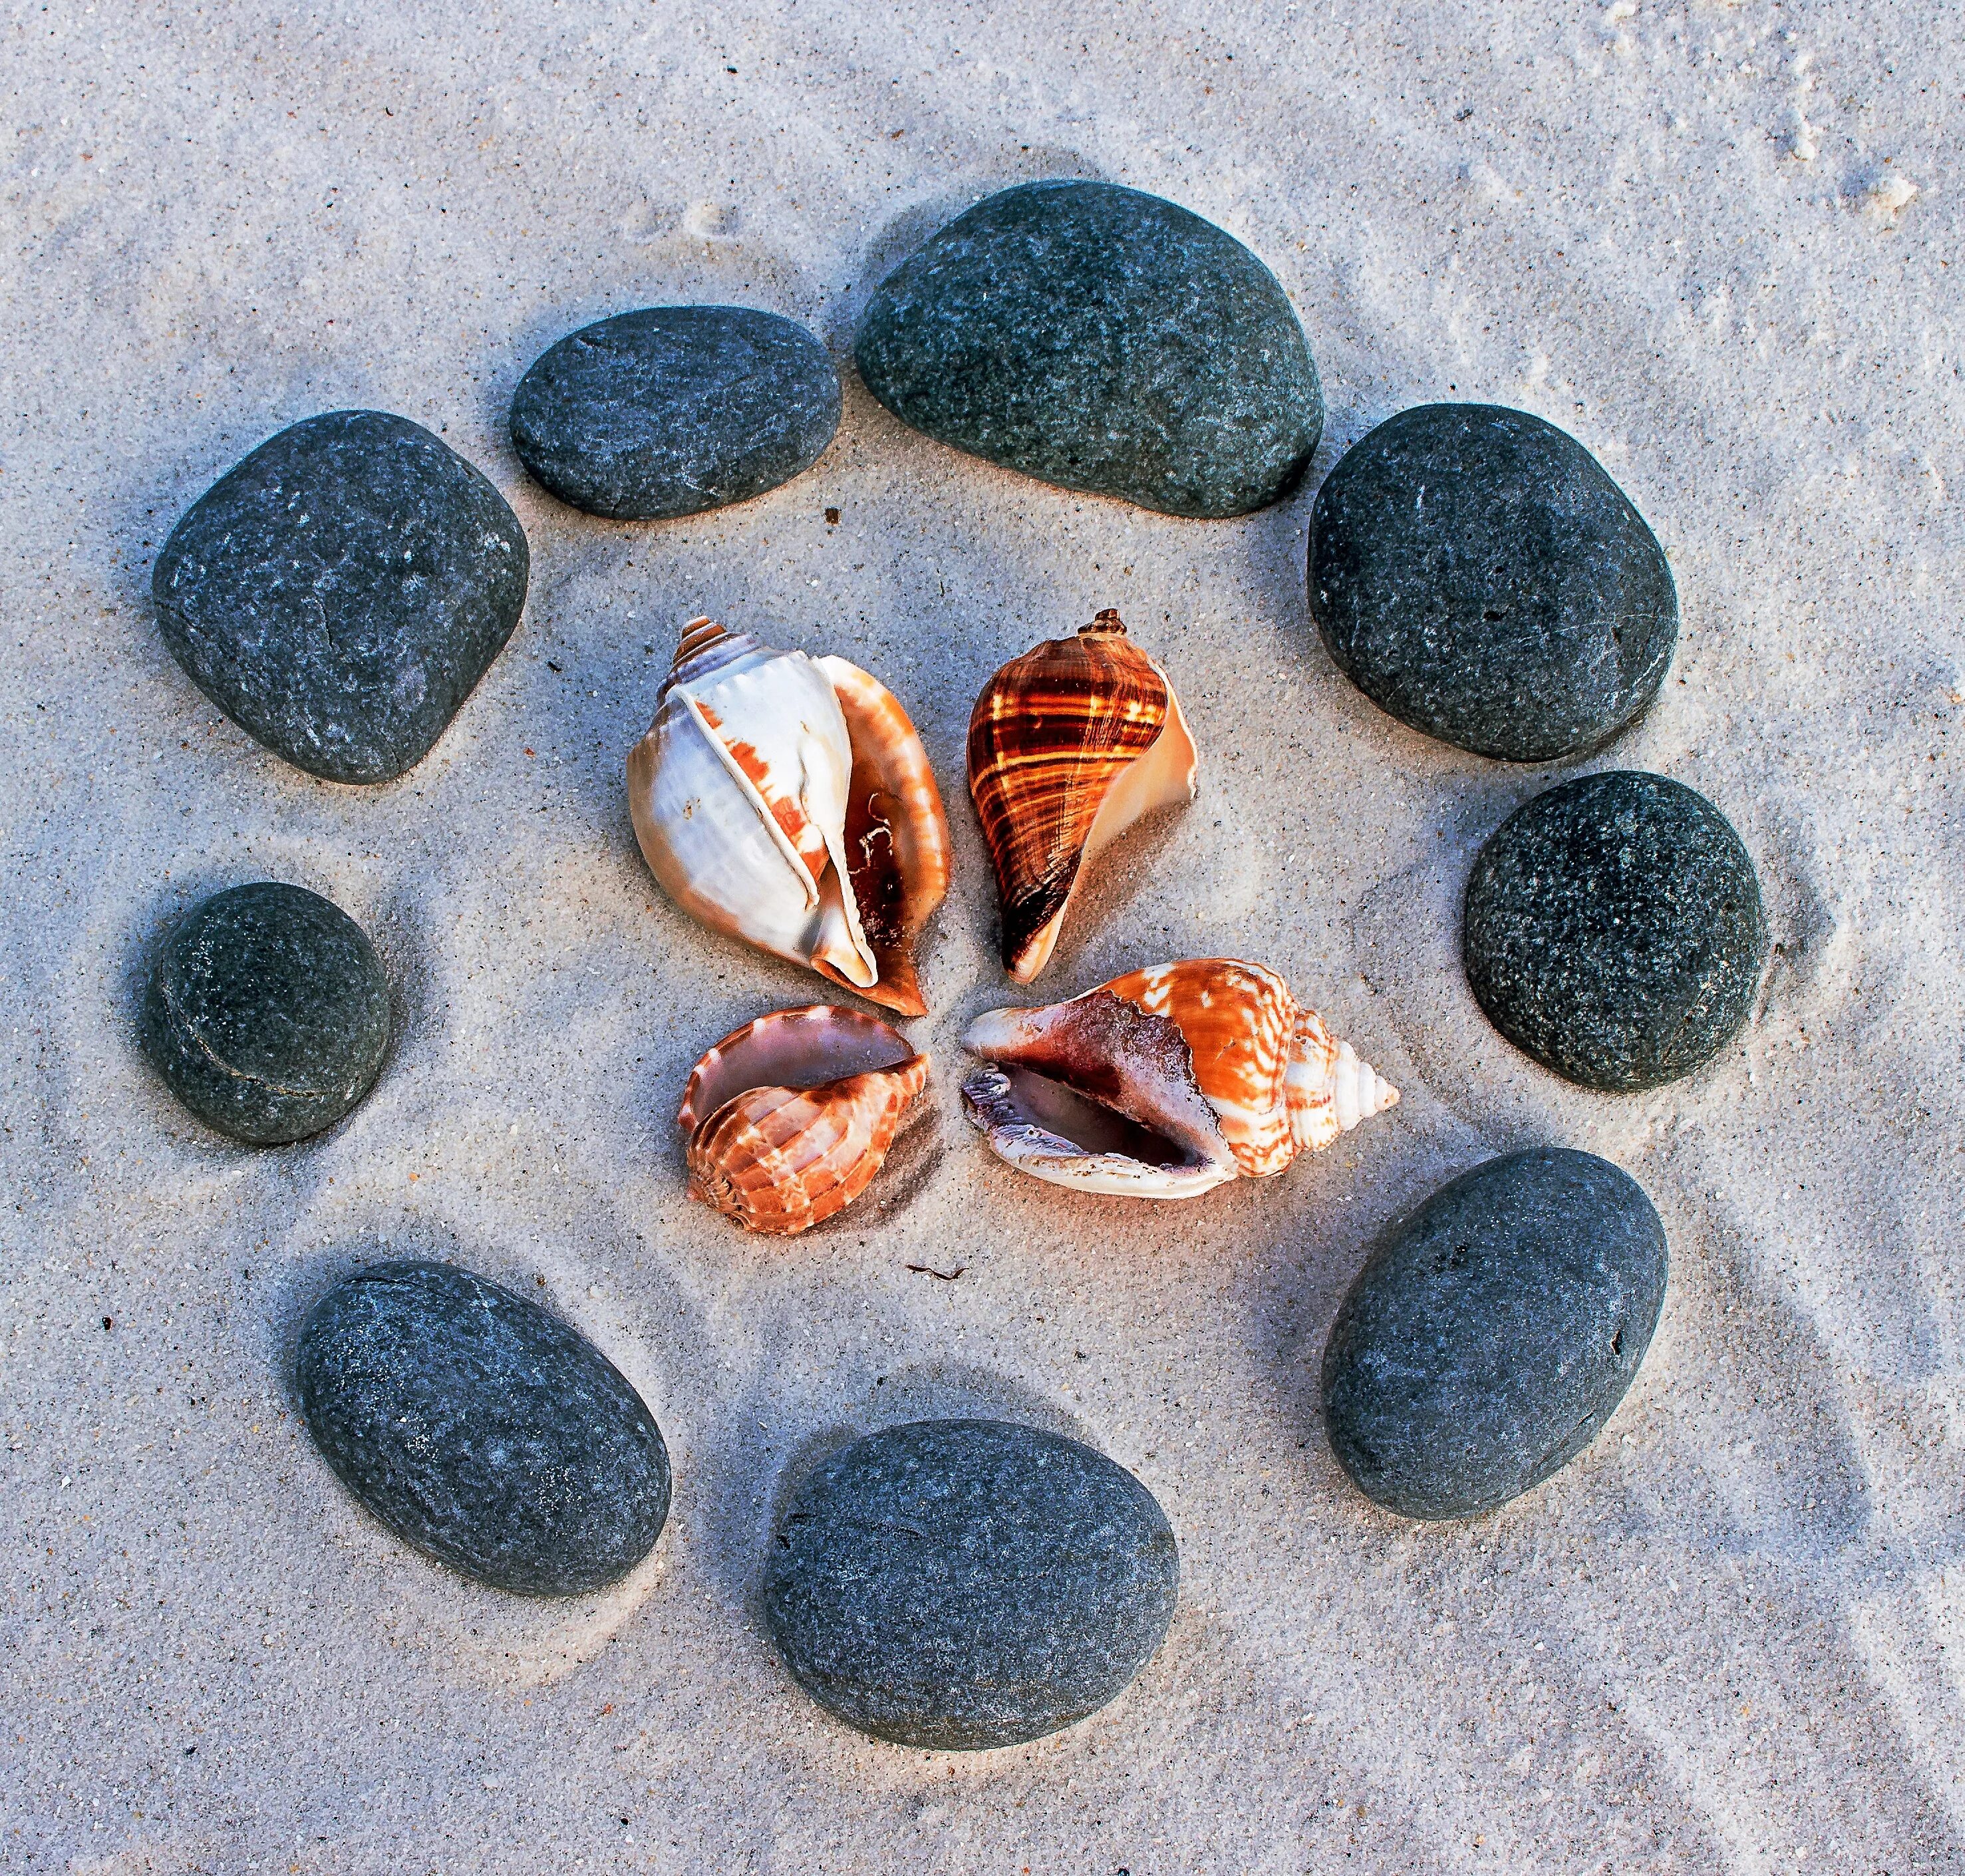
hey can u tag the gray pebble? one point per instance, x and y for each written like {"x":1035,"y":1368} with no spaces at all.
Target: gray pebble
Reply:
{"x":960,"y":1584}
{"x":1101,"y":339}
{"x":1491,"y":1334}
{"x":339,"y":593}
{"x":483,"y":1430}
{"x":1614,"y":930}
{"x":674,"y":410}
{"x":267,"y":1013}
{"x":1475,"y":573}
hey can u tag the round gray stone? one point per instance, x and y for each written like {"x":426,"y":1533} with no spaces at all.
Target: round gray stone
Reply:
{"x":960,"y":1584}
{"x":1614,"y":930}
{"x":1104,"y":339}
{"x":1475,"y":573}
{"x":675,"y":409}
{"x":267,"y":1013}
{"x":483,"y":1430}
{"x":1491,"y":1335}
{"x":339,"y":593}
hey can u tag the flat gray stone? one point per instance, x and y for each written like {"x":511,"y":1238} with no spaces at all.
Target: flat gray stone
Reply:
{"x":1491,"y":1335}
{"x":339,"y":593}
{"x":267,"y":1013}
{"x":674,"y":410}
{"x":961,"y":1584}
{"x":1104,"y":339}
{"x":1614,"y":930}
{"x":1476,"y":573}
{"x":483,"y":1430}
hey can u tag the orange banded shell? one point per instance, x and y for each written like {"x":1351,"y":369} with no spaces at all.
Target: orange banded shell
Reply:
{"x":788,"y":1118}
{"x":1069,"y":746}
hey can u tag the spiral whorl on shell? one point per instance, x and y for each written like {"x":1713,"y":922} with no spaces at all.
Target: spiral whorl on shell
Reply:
{"x":788,"y":1119}
{"x":1166,"y":1082}
{"x":1069,"y":746}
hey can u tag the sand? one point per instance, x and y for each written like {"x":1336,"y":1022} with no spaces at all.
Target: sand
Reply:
{"x":1719,"y":244}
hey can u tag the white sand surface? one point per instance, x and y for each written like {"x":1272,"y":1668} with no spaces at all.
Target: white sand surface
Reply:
{"x":1719,"y":243}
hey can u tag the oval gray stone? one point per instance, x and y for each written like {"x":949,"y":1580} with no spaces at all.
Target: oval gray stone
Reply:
{"x":1614,"y":930}
{"x":1101,"y":339}
{"x":267,"y":1013}
{"x":1491,"y":1335}
{"x":962,"y":1584}
{"x":1477,"y":574}
{"x":483,"y":1430}
{"x":673,"y":410}
{"x":339,"y":593}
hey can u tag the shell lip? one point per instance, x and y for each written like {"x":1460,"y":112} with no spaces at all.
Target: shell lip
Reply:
{"x":812,"y":1048}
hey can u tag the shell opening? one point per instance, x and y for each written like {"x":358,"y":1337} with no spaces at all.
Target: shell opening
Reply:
{"x":792,"y":1048}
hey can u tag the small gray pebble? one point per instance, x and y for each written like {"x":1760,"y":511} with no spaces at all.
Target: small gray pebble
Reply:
{"x":674,"y":410}
{"x":1101,"y":338}
{"x":1614,"y":931}
{"x":961,"y":1584}
{"x":483,"y":1430}
{"x":339,"y":593}
{"x":1491,"y":1335}
{"x":1476,"y":573}
{"x":267,"y":1013}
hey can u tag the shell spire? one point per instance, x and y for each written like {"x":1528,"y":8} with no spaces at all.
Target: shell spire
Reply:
{"x":787,"y":800}
{"x":1068,"y":746}
{"x":1166,"y":1082}
{"x":787,"y":1119}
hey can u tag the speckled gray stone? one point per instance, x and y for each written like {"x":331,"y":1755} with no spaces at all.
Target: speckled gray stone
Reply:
{"x":483,"y":1430}
{"x":1614,"y":930}
{"x":339,"y":592}
{"x":1104,"y":339}
{"x":960,"y":1584}
{"x":1491,"y":1335}
{"x":1475,"y":573}
{"x":675,"y":409}
{"x":267,"y":1013}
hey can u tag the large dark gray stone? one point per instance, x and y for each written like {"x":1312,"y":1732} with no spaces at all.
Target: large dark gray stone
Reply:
{"x":267,"y":1013}
{"x":1475,"y":573}
{"x":1614,"y":930}
{"x":1491,"y":1335}
{"x":1103,"y":339}
{"x":339,"y":592}
{"x":959,"y":1584}
{"x":483,"y":1430}
{"x":675,"y":409}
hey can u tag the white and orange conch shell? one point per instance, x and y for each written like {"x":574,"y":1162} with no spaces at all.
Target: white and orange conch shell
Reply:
{"x":787,"y":1119}
{"x":1069,"y":746}
{"x":787,"y":800}
{"x":1165,"y":1082}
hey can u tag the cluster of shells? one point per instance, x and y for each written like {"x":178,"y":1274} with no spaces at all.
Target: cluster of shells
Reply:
{"x":787,"y":800}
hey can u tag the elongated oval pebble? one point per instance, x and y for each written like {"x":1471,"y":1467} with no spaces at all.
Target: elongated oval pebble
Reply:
{"x":1491,"y":1335}
{"x":483,"y":1430}
{"x":960,"y":1584}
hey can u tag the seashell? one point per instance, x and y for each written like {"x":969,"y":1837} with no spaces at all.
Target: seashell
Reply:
{"x":788,"y":1117}
{"x":787,"y":800}
{"x":1167,"y":1082}
{"x":1069,"y":746}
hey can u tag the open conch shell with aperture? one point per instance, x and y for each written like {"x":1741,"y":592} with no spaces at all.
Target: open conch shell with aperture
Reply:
{"x":1069,"y":746}
{"x":788,"y":1119}
{"x":788,"y":801}
{"x":1165,"y":1082}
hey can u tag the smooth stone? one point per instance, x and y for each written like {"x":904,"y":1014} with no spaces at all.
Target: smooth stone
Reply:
{"x":1475,"y":573}
{"x":961,"y":1584}
{"x":1491,"y":1335}
{"x":1103,"y":339}
{"x":267,"y":1013}
{"x":339,"y":593}
{"x":674,"y":410}
{"x":1614,"y":930}
{"x":483,"y":1430}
